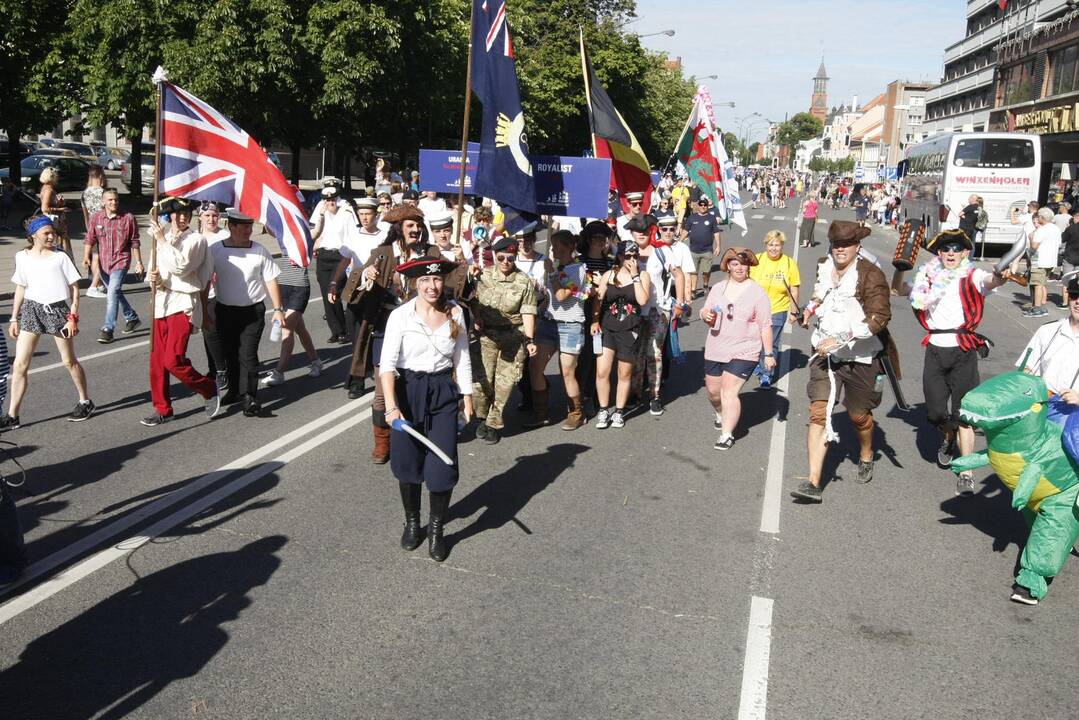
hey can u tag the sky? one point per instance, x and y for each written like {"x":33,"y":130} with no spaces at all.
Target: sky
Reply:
{"x":766,"y":53}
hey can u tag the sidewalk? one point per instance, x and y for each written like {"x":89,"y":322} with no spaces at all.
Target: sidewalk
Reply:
{"x":13,"y":240}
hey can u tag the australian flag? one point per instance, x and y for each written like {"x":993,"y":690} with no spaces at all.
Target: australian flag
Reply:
{"x":504,"y":171}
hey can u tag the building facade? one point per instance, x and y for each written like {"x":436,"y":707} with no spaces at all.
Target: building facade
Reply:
{"x":904,"y":117}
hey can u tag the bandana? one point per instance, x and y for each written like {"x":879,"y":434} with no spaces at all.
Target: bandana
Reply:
{"x":932,"y":281}
{"x":37,"y":223}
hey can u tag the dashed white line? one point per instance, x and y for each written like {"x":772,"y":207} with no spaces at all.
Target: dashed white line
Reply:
{"x":773,"y":481}
{"x":779,"y":217}
{"x":757,"y":217}
{"x":753,"y":703}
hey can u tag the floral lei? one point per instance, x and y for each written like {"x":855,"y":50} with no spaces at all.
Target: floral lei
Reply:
{"x":932,"y":282}
{"x":564,"y":282}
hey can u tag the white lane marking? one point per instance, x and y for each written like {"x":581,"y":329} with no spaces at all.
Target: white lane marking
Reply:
{"x":773,"y":481}
{"x":758,"y":217}
{"x":103,"y":353}
{"x":753,"y":704}
{"x":779,"y":217}
{"x":60,"y":557}
{"x":101,"y":559}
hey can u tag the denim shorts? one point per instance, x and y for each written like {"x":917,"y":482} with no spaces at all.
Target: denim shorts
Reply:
{"x":546,"y":332}
{"x":570,"y":337}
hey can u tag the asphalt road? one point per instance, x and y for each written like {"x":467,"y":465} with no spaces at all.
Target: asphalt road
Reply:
{"x":250,"y":568}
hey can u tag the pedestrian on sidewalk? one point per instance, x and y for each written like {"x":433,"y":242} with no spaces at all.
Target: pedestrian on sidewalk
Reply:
{"x":568,"y":288}
{"x":778,"y":275}
{"x":116,"y":237}
{"x":245,"y":277}
{"x":1053,"y":355}
{"x":46,"y":303}
{"x":1045,"y":244}
{"x":852,"y":306}
{"x":184,"y":268}
{"x":739,"y":314}
{"x":92,"y":202}
{"x":948,"y":298}
{"x":54,"y":206}
{"x":1069,"y":264}
{"x":426,"y":378}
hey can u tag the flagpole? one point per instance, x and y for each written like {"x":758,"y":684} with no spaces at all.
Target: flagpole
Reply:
{"x":464,"y":127}
{"x":587,"y":94}
{"x":153,"y":208}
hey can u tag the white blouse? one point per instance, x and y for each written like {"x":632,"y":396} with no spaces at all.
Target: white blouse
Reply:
{"x":410,"y":344}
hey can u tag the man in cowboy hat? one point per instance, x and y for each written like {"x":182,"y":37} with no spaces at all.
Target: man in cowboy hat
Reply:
{"x":851,"y":307}
{"x":183,"y":272}
{"x":948,"y":297}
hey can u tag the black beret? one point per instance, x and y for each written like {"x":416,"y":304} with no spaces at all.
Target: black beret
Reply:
{"x":505,"y":244}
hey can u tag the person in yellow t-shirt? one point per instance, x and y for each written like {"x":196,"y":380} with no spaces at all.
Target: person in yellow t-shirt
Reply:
{"x":778,"y":275}
{"x":680,"y":196}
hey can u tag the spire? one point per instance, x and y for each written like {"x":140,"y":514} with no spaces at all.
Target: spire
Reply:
{"x":821,"y":74}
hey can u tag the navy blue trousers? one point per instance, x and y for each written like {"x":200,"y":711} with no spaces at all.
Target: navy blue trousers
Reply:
{"x":429,"y":402}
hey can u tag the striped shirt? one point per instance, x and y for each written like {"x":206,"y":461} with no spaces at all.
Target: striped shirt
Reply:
{"x":291,"y":274}
{"x":114,"y":237}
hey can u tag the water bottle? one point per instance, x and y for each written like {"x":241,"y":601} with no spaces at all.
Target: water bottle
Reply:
{"x":275,"y":331}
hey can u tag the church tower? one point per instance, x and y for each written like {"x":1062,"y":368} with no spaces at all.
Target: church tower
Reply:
{"x":818,"y":104}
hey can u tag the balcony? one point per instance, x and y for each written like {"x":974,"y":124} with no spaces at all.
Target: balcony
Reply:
{"x":990,"y":34}
{"x":977,"y":79}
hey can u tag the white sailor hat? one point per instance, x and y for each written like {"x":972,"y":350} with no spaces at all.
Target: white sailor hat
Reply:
{"x":634,"y":196}
{"x":441,"y":220}
{"x":367,"y":203}
{"x":667,"y":221}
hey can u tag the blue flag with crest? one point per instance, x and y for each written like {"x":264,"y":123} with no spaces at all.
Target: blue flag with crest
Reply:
{"x":503,"y":172}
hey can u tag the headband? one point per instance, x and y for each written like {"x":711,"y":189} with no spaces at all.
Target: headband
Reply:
{"x":37,"y":223}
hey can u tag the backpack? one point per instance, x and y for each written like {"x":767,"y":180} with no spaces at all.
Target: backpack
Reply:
{"x":983,"y":220}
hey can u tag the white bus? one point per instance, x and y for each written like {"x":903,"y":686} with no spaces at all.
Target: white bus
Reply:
{"x":938,"y":176}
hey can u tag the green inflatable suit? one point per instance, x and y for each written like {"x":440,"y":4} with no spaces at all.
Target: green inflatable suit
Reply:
{"x":1026,"y":451}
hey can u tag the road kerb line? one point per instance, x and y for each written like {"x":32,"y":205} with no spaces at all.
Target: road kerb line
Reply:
{"x":753,"y":703}
{"x":100,"y":559}
{"x":99,"y":537}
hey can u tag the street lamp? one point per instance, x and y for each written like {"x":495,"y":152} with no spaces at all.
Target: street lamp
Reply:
{"x":716,"y":77}
{"x":668,"y":33}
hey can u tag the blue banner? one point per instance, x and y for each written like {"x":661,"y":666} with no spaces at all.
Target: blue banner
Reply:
{"x":571,"y":186}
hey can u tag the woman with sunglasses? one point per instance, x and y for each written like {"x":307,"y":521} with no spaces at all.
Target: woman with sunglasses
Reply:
{"x":948,"y":297}
{"x":623,"y":291}
{"x":740,"y":316}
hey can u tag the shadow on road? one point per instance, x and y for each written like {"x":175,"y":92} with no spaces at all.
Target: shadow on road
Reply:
{"x":506,"y":494}
{"x":989,"y":511}
{"x":119,"y":654}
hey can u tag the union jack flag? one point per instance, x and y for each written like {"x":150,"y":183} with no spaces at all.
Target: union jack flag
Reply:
{"x":206,"y":156}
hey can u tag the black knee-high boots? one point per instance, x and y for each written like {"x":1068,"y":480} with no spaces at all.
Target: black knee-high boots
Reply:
{"x":412,"y":537}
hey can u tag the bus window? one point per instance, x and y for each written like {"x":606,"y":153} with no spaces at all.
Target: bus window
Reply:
{"x":994,"y":153}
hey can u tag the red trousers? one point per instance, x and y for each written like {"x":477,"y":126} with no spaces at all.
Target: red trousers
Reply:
{"x":170,"y":356}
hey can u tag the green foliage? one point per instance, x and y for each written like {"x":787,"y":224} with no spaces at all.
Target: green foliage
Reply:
{"x":802,"y":126}
{"x":819,"y":164}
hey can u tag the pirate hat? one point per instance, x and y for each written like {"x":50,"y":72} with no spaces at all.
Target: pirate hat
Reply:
{"x":423,"y":266}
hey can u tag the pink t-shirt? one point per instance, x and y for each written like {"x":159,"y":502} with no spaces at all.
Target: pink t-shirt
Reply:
{"x":737,"y":337}
{"x":810,"y":211}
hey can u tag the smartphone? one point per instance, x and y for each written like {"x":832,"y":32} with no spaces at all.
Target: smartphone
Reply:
{"x":64,"y":332}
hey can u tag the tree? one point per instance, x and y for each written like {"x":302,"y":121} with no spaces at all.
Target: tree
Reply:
{"x":33,"y":95}
{"x":802,"y":126}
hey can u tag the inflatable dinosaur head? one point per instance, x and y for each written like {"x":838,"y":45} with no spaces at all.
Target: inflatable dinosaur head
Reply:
{"x":1004,"y":401}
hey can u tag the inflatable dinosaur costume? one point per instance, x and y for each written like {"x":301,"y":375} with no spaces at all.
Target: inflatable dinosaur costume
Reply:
{"x":1028,"y":454}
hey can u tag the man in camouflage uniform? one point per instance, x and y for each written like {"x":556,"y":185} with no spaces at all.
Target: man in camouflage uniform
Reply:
{"x":505,"y":312}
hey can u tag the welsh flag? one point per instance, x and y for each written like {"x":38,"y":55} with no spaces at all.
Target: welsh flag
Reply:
{"x":701,"y":152}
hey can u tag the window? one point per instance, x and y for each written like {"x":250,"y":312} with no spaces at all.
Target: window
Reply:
{"x":1065,"y":63}
{"x":1019,"y":83}
{"x":1003,"y":153}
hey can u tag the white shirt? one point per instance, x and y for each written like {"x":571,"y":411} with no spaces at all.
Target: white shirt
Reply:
{"x":185,"y":267}
{"x":216,"y":237}
{"x":620,"y":228}
{"x":572,"y":308}
{"x":661,"y":295}
{"x":947,"y":314}
{"x":536,"y":268}
{"x":358,"y":247}
{"x":1054,"y":355}
{"x":46,"y":278}
{"x":1048,"y":236}
{"x":1062,"y":221}
{"x":410,"y":344}
{"x":242,"y":273}
{"x":431,"y":208}
{"x":337,"y":228}
{"x":840,"y":316}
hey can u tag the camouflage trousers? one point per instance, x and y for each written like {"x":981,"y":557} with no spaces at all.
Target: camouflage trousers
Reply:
{"x":497,"y":360}
{"x":649,"y":362}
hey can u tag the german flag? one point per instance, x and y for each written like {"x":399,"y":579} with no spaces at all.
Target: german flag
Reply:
{"x":612,"y":138}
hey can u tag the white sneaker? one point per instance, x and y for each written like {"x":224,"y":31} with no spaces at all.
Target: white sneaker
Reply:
{"x":603,"y":419}
{"x":314,"y":369}
{"x":96,"y":292}
{"x":274,"y":378}
{"x":617,"y":420}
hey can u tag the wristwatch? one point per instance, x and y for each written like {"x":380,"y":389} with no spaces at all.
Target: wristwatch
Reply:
{"x":771,"y":355}
{"x":280,"y":310}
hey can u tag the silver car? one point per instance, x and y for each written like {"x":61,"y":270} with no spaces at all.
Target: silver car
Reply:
{"x":147,"y":167}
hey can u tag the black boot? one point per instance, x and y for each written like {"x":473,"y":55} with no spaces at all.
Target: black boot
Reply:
{"x":436,"y":545}
{"x":412,"y":537}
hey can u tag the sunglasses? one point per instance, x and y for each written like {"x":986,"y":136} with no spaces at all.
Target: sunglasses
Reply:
{"x":208,"y":207}
{"x":636,"y":204}
{"x":730,"y":311}
{"x":666,"y":229}
{"x":1072,"y":297}
{"x":384,"y":204}
{"x":505,"y":258}
{"x":952,"y":247}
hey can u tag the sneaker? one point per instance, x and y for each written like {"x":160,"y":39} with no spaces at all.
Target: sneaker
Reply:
{"x":481,"y":430}
{"x":213,"y":406}
{"x":105,"y":337}
{"x":718,"y":424}
{"x":617,"y":420}
{"x":491,"y":436}
{"x":155,"y":420}
{"x":603,"y":419}
{"x":725,"y":442}
{"x":865,"y":471}
{"x":276,"y":377}
{"x":222,"y":379}
{"x":82,"y":411}
{"x":1022,"y":595}
{"x":807,"y":491}
{"x":946,"y":451}
{"x":655,"y":407}
{"x":1040,"y":311}
{"x":314,"y":369}
{"x":131,"y":326}
{"x":7,"y":422}
{"x":965,"y":484}
{"x":96,"y":292}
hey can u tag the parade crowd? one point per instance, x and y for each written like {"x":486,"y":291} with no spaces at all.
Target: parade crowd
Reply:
{"x":448,"y":314}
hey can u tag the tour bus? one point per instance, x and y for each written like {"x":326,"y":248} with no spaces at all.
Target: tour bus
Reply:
{"x":938,"y":176}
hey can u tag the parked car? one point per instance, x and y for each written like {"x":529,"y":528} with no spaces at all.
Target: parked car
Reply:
{"x":147,"y":167}
{"x":82,"y":150}
{"x":23,"y":149}
{"x":111,"y":158}
{"x":46,"y":142}
{"x":54,"y":152}
{"x":73,"y":172}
